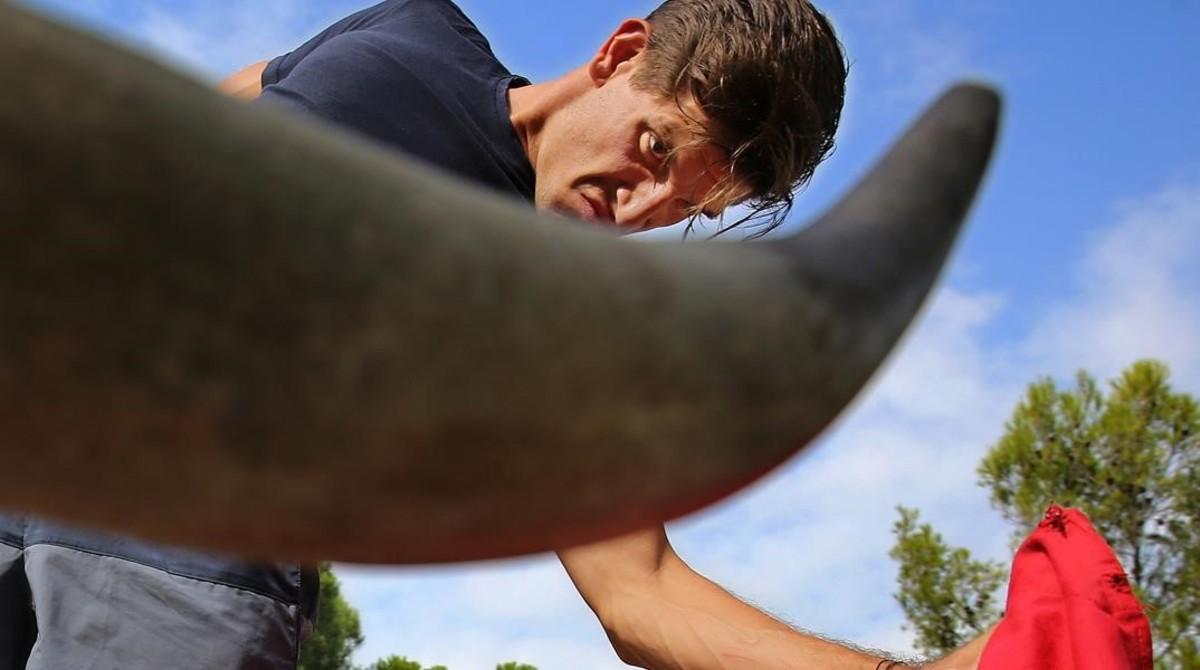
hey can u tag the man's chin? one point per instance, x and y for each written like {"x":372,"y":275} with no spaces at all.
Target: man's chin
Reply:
{"x":588,"y":217}
{"x":603,"y":224}
{"x":577,"y":206}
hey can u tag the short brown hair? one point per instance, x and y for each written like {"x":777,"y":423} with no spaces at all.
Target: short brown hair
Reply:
{"x":770,"y":77}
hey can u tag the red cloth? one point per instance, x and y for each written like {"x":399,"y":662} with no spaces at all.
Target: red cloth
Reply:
{"x":1069,"y":605}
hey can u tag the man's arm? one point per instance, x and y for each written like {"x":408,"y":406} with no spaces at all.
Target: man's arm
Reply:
{"x":662,"y":615}
{"x":245,"y":84}
{"x":965,"y":657}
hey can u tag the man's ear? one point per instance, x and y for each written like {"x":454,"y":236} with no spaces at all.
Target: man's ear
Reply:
{"x":629,"y":40}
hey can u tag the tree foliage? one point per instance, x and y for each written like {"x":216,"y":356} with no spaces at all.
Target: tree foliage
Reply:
{"x":948,"y":597}
{"x":338,"y":631}
{"x":338,"y":634}
{"x":1130,"y":459}
{"x":401,"y":663}
{"x":395,"y":663}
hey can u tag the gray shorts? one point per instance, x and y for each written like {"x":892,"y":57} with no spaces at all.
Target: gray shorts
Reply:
{"x":75,"y":600}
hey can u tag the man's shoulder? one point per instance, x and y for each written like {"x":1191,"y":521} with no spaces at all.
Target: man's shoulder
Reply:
{"x":394,"y":9}
{"x":403,"y":17}
{"x":416,"y":75}
{"x":396,"y":12}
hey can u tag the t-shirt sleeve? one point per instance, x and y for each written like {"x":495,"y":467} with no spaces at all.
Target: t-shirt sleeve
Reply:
{"x":280,"y":67}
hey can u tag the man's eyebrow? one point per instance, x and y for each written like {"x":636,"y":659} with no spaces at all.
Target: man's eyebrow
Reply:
{"x":675,"y":131}
{"x":682,"y":134}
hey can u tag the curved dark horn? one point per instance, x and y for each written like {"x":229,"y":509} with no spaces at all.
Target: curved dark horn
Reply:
{"x":229,"y":328}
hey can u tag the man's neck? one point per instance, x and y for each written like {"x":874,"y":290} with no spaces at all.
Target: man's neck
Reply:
{"x":531,"y":107}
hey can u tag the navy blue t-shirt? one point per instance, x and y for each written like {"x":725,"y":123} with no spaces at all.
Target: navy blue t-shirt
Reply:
{"x":416,"y":75}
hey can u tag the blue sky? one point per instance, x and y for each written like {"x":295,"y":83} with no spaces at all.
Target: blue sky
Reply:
{"x":1080,"y":253}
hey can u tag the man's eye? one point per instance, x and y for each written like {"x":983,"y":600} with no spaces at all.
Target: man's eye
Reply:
{"x":658,"y":146}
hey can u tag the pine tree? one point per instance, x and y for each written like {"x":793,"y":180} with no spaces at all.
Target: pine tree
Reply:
{"x":1130,"y":459}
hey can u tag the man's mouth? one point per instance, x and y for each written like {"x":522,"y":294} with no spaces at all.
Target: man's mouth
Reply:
{"x":597,"y":209}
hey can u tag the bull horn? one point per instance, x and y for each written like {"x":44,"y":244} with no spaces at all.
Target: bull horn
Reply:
{"x":224,"y":327}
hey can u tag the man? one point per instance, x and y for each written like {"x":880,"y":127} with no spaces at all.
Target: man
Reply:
{"x":704,"y":104}
{"x":78,"y":599}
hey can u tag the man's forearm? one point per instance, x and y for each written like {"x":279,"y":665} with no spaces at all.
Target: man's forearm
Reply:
{"x":716,"y":631}
{"x":670,"y":636}
{"x":660,"y":614}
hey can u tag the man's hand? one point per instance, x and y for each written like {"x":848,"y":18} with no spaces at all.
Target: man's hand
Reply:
{"x":246,"y":84}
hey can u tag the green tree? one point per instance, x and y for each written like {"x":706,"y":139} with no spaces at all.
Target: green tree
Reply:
{"x":395,"y":663}
{"x":338,"y":632}
{"x":1130,"y":459}
{"x":949,"y":598}
{"x":400,"y":663}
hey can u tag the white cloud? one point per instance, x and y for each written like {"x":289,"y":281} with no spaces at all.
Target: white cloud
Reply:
{"x":811,"y":545}
{"x":478,"y":616}
{"x":218,"y":43}
{"x":1138,"y":293}
{"x":193,"y":36}
{"x":922,"y":57}
{"x":925,"y":62}
{"x":939,"y":376}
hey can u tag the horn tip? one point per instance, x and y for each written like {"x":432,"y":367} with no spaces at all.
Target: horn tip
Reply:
{"x":981,"y":98}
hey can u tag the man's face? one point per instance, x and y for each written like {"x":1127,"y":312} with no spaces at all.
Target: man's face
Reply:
{"x":628,"y":158}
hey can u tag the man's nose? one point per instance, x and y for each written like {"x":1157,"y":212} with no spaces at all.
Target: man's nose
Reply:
{"x":649,"y":204}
